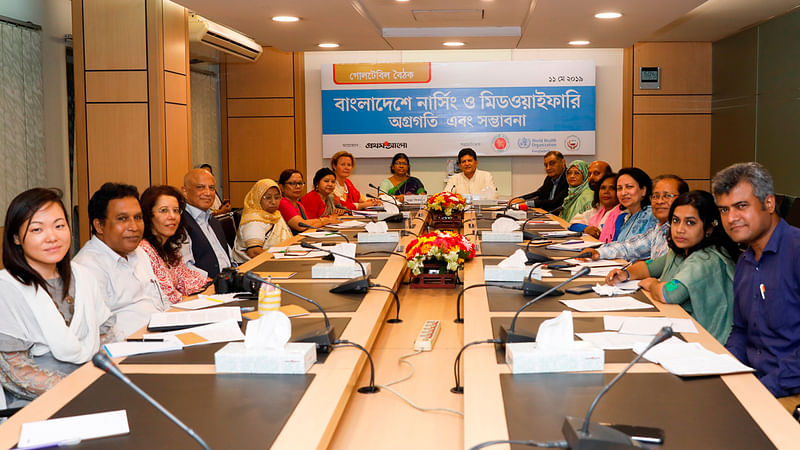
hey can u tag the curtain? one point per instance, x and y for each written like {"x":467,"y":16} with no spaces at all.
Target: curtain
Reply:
{"x":205,"y":123}
{"x":22,"y":153}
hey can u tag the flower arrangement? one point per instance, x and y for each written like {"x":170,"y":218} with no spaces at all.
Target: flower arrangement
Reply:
{"x":446,"y":203}
{"x":448,"y":248}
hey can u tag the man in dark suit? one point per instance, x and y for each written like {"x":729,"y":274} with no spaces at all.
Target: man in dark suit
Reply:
{"x":554,"y":189}
{"x":206,"y":247}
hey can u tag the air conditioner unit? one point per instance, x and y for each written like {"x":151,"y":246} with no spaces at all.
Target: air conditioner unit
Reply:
{"x":224,"y":39}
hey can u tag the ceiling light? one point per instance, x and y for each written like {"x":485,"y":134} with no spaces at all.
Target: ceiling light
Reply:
{"x":328,"y":45}
{"x":285,"y":19}
{"x":453,"y":44}
{"x":578,"y":42}
{"x":608,"y":15}
{"x":401,"y":1}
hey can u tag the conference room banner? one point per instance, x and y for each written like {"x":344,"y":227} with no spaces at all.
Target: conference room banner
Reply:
{"x":497,"y":108}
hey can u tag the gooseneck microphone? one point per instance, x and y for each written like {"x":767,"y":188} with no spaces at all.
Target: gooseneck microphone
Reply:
{"x":390,"y":218}
{"x":510,"y":335}
{"x":587,"y":435}
{"x":303,"y":224}
{"x":104,"y":363}
{"x":323,"y":338}
{"x":531,"y":287}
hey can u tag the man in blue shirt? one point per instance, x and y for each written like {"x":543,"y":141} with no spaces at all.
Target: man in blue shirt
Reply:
{"x":766,"y":316}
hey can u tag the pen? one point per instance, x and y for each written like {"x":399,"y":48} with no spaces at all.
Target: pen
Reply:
{"x":572,"y":242}
{"x":763,"y":291}
{"x":247,"y":308}
{"x":144,"y":340}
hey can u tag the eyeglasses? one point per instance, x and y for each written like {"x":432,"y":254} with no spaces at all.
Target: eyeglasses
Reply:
{"x":295,"y":183}
{"x":164,"y":211}
{"x":400,"y":163}
{"x":665,"y":196}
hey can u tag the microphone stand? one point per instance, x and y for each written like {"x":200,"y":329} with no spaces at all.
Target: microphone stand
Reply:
{"x":104,"y":363}
{"x":531,"y":287}
{"x":509,"y":335}
{"x":394,"y":217}
{"x":587,"y":435}
{"x":323,"y":338}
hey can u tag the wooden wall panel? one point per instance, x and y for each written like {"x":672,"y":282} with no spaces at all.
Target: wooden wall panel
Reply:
{"x":685,"y":66}
{"x":704,"y":185}
{"x":126,"y":86}
{"x":175,"y":87}
{"x":237,"y":192}
{"x":260,"y":147}
{"x":627,"y":107}
{"x":676,"y":144}
{"x":672,"y":104}
{"x":175,"y":29}
{"x":118,"y":153}
{"x":114,"y":34}
{"x":270,"y":76}
{"x":252,"y":107}
{"x":179,"y":157}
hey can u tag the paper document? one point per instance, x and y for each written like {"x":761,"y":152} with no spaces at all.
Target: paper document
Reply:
{"x":184,"y":319}
{"x":574,"y":246}
{"x":207,"y":334}
{"x":318,"y":234}
{"x":611,"y":340}
{"x":117,"y":349}
{"x":626,"y":287}
{"x":647,"y":325}
{"x":347,"y":224}
{"x":593,"y":271}
{"x":71,"y":430}
{"x":560,"y":233}
{"x":605,"y":304}
{"x":589,"y":263}
{"x":544,"y":222}
{"x":691,"y":359}
{"x":205,"y":301}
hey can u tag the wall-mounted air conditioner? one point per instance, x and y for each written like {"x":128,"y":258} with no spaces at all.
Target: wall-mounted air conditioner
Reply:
{"x":222,"y":38}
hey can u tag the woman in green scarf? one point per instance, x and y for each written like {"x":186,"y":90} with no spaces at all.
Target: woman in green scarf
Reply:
{"x":697,"y":272}
{"x":580,"y":196}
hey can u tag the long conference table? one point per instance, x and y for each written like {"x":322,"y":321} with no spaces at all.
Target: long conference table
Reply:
{"x":323,"y":408}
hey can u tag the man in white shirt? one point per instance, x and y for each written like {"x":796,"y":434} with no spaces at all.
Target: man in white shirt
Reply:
{"x":206,"y":248}
{"x":471,"y":181}
{"x":116,"y":260}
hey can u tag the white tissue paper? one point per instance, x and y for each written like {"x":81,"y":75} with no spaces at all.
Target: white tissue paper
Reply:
{"x":345,"y":248}
{"x":505,"y":225}
{"x":503,"y":230}
{"x":555,"y":350}
{"x":517,"y":260}
{"x":619,"y":289}
{"x":510,"y":269}
{"x":377,"y":227}
{"x":266,"y":349}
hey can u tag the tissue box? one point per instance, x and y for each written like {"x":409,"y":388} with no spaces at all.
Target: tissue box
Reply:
{"x":331,"y":270}
{"x":296,"y":357}
{"x":491,"y":236}
{"x":497,"y":273}
{"x":524,"y":357}
{"x":389,"y":236}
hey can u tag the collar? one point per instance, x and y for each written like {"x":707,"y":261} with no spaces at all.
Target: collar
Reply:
{"x":198,"y":214}
{"x":558,"y":178}
{"x":773,"y":244}
{"x":106,"y":251}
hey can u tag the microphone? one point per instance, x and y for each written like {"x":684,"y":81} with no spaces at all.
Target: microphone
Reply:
{"x":529,"y":236}
{"x":354,"y":285}
{"x":556,"y":210}
{"x":303,"y":224}
{"x":104,"y":363}
{"x":510,"y":335}
{"x":323,"y":338}
{"x":587,"y":435}
{"x":531,"y":287}
{"x":394,"y":217}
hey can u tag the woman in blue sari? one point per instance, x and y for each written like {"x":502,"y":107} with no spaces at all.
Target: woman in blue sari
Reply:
{"x":401,"y":182}
{"x":634,"y":188}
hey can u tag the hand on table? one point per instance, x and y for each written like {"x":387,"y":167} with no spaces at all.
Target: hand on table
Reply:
{"x":592,"y":231}
{"x":617,"y":276}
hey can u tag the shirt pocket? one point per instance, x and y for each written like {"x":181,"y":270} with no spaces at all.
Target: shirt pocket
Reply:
{"x":782,"y":309}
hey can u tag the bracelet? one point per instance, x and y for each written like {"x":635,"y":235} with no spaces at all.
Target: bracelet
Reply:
{"x":628,"y":273}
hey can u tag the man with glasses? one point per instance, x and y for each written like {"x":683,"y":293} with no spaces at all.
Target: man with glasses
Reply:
{"x":206,"y":247}
{"x":652,"y":243}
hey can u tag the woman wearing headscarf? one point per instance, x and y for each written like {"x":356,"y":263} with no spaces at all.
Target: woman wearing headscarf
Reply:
{"x":580,"y":196}
{"x":262,"y":225}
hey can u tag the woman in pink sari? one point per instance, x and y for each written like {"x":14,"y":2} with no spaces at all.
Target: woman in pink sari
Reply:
{"x":605,"y":211}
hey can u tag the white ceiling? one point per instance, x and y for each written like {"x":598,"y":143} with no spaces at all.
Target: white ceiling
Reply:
{"x":508,"y":24}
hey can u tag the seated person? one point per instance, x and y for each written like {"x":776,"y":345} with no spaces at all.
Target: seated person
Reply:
{"x":766,"y":304}
{"x":343,"y":164}
{"x":53,"y":312}
{"x":219,"y":206}
{"x":597,"y":170}
{"x":605,"y":211}
{"x":697,"y":271}
{"x":401,"y":182}
{"x":261,"y":226}
{"x":553,"y":191}
{"x":652,"y":243}
{"x":471,"y":181}
{"x":633,"y":191}
{"x":321,"y":202}
{"x":579,"y":196}
{"x":113,"y":256}
{"x":291,"y":184}
{"x":163,"y":233}
{"x":206,"y":248}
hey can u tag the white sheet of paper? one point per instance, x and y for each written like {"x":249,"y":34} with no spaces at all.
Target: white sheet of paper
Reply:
{"x":605,"y":304}
{"x":117,"y":349}
{"x":348,"y":224}
{"x":647,"y":325}
{"x":215,"y":332}
{"x":72,"y":429}
{"x":559,"y":234}
{"x":611,"y":340}
{"x":593,"y":271}
{"x":318,"y":234}
{"x":574,"y":247}
{"x":201,"y":317}
{"x":205,"y":301}
{"x":301,"y":254}
{"x":602,"y":263}
{"x":691,"y":359}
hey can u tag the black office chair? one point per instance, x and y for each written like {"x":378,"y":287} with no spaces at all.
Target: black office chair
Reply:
{"x":792,"y":216}
{"x":781,"y":205}
{"x":237,"y":216}
{"x":228,"y":226}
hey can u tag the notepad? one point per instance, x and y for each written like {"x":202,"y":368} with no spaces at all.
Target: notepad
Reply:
{"x":226,"y":331}
{"x":165,"y":321}
{"x":605,"y":304}
{"x":71,"y":430}
{"x":691,"y":359}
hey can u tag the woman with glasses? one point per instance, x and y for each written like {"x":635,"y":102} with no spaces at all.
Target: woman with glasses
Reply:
{"x":633,"y":191}
{"x":163,"y":234}
{"x":697,"y":271}
{"x":401,"y":182}
{"x":292,"y":185}
{"x":262,"y":225}
{"x":343,"y":164}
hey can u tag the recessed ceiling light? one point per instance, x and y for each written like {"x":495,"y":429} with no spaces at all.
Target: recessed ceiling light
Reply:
{"x":401,"y":1}
{"x":285,"y":19}
{"x":328,"y":45}
{"x":453,"y":44}
{"x":578,"y":42}
{"x":608,"y":15}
